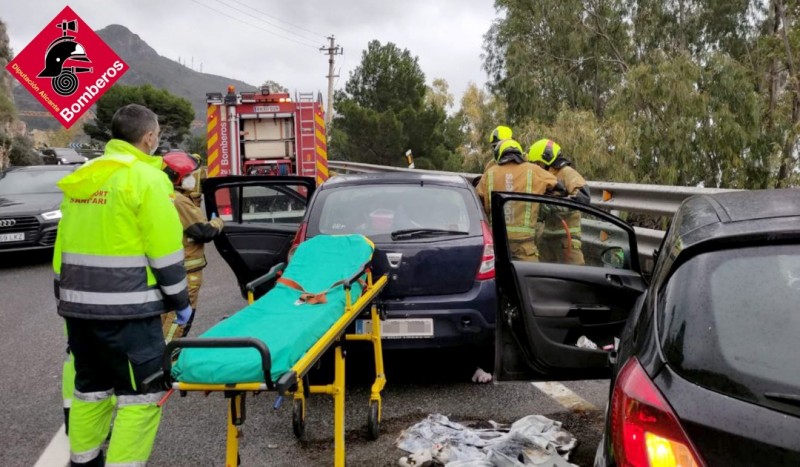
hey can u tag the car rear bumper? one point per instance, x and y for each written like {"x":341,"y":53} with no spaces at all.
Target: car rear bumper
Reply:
{"x":458,"y":320}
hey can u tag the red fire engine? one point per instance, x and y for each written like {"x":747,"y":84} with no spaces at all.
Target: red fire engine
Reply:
{"x":266,"y":133}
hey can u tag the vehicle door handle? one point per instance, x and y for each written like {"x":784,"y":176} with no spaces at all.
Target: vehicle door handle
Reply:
{"x":614,"y":280}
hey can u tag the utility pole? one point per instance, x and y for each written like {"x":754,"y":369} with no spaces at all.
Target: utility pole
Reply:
{"x":332,"y":51}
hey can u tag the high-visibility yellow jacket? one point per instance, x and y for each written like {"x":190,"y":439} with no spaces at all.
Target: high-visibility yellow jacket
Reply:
{"x":118,"y":252}
{"x":518,"y":178}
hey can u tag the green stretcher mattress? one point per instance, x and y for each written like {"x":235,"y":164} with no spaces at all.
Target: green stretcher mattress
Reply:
{"x":288,"y":326}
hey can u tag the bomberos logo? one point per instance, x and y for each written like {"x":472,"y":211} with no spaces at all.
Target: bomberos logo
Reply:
{"x":67,"y":67}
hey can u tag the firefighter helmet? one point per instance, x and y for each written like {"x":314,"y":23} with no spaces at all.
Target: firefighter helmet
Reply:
{"x":507,"y":147}
{"x":499,"y":134}
{"x":544,"y":151}
{"x":178,"y":164}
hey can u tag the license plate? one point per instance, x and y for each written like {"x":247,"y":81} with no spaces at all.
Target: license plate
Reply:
{"x":12,"y":237}
{"x":399,"y":328}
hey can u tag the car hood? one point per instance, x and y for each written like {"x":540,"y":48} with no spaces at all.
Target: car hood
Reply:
{"x":29,"y":203}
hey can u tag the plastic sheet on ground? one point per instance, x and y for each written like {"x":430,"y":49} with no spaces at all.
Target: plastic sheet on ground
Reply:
{"x":530,"y":441}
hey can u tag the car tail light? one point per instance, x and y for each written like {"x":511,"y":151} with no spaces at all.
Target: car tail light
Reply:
{"x":299,"y":237}
{"x":645,"y":430}
{"x":486,"y":271}
{"x":225,"y":211}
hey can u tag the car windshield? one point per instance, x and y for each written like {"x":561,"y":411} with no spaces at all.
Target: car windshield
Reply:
{"x":729,"y":321}
{"x":410,"y":211}
{"x":22,"y":182}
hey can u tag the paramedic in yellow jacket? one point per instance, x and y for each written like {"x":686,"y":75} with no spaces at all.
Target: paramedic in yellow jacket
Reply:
{"x":555,"y":245}
{"x":514,"y":173}
{"x":182,"y":170}
{"x":118,"y":264}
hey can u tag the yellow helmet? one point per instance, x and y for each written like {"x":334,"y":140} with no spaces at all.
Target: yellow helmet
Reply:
{"x":499,"y":134}
{"x":508,"y":146}
{"x":544,"y":151}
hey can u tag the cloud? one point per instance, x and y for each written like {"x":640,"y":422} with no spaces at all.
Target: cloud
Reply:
{"x":446,"y":35}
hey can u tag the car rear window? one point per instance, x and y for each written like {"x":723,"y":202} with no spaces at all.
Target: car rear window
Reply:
{"x":378,"y":210}
{"x":20,"y":182}
{"x":730,"y":321}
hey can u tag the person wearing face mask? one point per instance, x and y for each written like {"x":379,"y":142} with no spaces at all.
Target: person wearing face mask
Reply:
{"x":118,"y":264}
{"x":182,"y":168}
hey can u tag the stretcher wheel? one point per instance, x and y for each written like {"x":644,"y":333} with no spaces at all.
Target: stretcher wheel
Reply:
{"x":373,"y":421}
{"x":298,"y":418}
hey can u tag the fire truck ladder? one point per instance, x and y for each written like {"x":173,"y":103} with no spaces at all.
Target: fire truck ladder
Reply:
{"x":306,"y":106}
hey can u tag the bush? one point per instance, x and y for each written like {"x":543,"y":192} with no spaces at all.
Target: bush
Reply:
{"x":21,"y":150}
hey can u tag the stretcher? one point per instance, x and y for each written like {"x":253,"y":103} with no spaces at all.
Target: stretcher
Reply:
{"x":273,"y":343}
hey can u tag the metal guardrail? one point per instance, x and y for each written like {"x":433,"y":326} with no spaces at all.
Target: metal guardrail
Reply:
{"x":660,"y":200}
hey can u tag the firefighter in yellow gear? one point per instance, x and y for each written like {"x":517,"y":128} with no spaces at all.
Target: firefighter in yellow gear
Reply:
{"x":560,"y":240}
{"x":514,"y":173}
{"x":183,"y":171}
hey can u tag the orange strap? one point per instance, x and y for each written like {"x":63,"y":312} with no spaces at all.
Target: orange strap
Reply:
{"x":313,"y":298}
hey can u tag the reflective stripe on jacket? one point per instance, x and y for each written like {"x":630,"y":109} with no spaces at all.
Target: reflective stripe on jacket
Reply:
{"x":118,"y":252}
{"x":518,"y":178}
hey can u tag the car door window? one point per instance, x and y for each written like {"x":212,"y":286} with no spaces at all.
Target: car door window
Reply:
{"x":554,"y":233}
{"x":256,"y":204}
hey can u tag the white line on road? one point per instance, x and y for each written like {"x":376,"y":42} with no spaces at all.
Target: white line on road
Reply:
{"x":57,"y":452}
{"x":564,"y":396}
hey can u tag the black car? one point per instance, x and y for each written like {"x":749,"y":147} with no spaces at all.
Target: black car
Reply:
{"x":30,"y":204}
{"x":62,"y":156}
{"x":430,"y":234}
{"x":706,"y":369}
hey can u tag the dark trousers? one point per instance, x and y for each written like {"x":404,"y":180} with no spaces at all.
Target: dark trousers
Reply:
{"x":116,"y":355}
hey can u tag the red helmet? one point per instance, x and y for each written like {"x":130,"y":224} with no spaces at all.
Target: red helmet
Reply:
{"x":178,"y":165}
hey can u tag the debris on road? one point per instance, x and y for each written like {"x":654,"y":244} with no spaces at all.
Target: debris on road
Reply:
{"x":534,"y":440}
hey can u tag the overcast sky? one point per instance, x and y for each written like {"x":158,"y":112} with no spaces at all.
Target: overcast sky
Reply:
{"x":446,"y":35}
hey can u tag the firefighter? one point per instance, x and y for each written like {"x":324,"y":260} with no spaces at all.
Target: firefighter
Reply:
{"x":515,"y":174}
{"x":560,"y":240}
{"x":118,"y":264}
{"x":182,"y":170}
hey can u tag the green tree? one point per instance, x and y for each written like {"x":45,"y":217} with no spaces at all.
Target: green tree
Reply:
{"x":197,"y":144}
{"x":175,"y":114}
{"x":386,"y":109}
{"x":543,"y":54}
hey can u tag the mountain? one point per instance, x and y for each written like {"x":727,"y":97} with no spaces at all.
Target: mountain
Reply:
{"x":146,"y":66}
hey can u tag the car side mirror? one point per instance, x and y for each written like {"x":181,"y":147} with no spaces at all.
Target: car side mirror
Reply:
{"x":613,"y":257}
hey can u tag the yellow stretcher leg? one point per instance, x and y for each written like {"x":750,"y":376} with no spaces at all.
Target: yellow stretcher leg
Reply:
{"x":338,"y":409}
{"x":232,"y":446}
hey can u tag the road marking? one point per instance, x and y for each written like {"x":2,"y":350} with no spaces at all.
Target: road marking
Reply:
{"x":57,"y":452}
{"x":564,"y":396}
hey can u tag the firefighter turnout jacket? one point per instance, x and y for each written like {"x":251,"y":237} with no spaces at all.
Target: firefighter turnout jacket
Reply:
{"x":197,"y":231}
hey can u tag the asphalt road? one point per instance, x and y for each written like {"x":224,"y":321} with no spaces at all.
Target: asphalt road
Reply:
{"x":192,"y":432}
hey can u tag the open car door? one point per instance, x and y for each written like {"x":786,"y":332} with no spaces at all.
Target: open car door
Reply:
{"x":262,"y":214}
{"x":545,"y":307}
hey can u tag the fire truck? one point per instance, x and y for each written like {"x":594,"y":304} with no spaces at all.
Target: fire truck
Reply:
{"x":266,"y":133}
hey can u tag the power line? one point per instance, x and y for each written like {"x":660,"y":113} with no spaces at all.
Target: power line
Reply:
{"x":255,"y":26}
{"x":316,"y":34}
{"x":290,"y":31}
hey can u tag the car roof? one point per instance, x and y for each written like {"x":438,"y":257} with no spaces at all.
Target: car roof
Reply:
{"x":394,"y":178}
{"x":41,"y":168}
{"x":737,"y":214}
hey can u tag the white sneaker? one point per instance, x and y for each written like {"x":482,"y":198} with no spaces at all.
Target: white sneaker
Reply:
{"x":481,"y":377}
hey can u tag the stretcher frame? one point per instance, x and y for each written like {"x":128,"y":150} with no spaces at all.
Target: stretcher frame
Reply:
{"x":295,"y":381}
